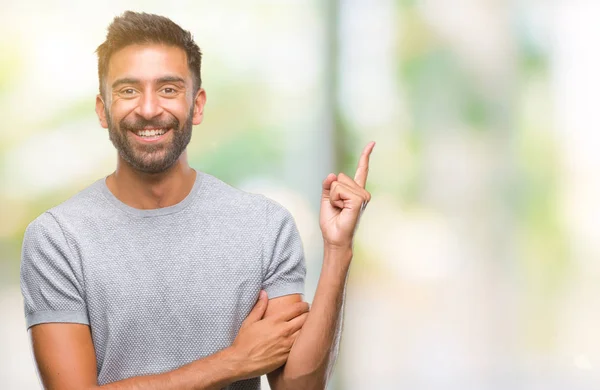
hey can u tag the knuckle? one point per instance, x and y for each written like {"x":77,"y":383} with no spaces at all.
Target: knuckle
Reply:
{"x":289,"y":331}
{"x":280,"y":335}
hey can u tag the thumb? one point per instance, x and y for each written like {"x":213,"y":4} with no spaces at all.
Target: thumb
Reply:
{"x":327,"y":185}
{"x":258,"y":311}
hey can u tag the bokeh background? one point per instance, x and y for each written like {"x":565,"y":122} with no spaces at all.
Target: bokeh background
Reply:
{"x":477,"y":262}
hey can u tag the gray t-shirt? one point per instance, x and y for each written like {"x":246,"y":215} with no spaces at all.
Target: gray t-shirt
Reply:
{"x":159,"y":288}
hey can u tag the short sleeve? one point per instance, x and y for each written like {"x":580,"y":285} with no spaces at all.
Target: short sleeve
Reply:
{"x":50,"y":276}
{"x":285,"y":268}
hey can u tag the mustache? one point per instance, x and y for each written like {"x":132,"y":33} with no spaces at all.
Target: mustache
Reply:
{"x":140,"y":123}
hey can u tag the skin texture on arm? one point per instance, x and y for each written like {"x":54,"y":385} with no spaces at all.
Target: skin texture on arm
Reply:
{"x":314,"y":352}
{"x":64,"y":354}
{"x":276,"y":305}
{"x":66,"y":360}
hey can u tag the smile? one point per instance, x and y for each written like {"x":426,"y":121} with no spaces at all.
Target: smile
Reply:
{"x":151,"y":132}
{"x":150,"y":135}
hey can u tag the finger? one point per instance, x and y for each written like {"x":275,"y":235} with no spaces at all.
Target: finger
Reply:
{"x":296,"y":324}
{"x":343,"y":196}
{"x":259,"y":309}
{"x":328,"y":180}
{"x":294,"y":311}
{"x":327,"y":185}
{"x":342,"y":191}
{"x":338,"y":201}
{"x":345,"y":179}
{"x":292,"y":339}
{"x":363,"y":165}
{"x":295,"y":335}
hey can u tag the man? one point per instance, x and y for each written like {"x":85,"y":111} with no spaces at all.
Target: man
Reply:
{"x":149,"y":278}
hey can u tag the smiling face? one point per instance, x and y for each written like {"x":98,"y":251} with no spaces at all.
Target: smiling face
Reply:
{"x":150,"y":105}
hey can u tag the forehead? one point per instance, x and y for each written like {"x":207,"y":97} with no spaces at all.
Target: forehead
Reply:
{"x":148,"y":62}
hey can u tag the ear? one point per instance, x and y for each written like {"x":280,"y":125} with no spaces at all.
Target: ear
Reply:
{"x":199,"y":103}
{"x":100,"y":111}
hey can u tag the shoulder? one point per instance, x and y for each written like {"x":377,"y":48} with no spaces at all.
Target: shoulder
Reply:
{"x":257,"y":209}
{"x":44,"y":240}
{"x":227,"y":197}
{"x":85,"y":202}
{"x":44,"y":225}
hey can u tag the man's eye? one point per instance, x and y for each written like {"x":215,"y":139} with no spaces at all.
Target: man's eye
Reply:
{"x":169,"y":90}
{"x":128,"y":91}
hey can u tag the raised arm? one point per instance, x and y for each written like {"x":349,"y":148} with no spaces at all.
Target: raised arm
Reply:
{"x":313,"y":355}
{"x":65,"y":356}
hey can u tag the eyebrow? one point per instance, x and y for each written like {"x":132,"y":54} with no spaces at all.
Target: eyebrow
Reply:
{"x":160,"y":80}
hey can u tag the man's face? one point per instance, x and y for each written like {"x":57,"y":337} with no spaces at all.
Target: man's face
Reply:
{"x":150,"y":108}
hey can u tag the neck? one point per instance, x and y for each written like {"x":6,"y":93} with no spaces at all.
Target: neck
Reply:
{"x":151,"y":191}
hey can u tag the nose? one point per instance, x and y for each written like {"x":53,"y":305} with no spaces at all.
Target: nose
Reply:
{"x":149,"y":106}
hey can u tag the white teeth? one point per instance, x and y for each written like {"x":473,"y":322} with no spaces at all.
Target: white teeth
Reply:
{"x":150,"y":133}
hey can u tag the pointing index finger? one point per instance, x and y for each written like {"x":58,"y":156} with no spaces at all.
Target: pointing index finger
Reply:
{"x":363,"y":165}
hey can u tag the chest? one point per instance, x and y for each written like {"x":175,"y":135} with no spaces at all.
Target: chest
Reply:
{"x":172,"y":280}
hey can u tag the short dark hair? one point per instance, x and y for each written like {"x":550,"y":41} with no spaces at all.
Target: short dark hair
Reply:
{"x":142,"y":28}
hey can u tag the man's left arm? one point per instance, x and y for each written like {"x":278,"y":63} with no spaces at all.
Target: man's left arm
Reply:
{"x":314,"y":352}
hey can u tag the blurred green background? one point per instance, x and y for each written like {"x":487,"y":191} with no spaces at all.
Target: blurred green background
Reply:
{"x":476,"y":263}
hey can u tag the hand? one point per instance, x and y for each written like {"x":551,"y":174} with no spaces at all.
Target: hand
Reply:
{"x":342,"y":202}
{"x":262,"y":345}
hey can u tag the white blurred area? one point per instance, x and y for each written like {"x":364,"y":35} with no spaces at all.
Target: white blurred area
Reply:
{"x":476,"y":262}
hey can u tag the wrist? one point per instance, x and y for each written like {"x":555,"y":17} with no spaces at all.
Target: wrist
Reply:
{"x":334,"y":250}
{"x":338,"y":256}
{"x":233,"y":364}
{"x":339,"y":243}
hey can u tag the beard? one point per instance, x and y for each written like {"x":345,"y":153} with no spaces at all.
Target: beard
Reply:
{"x":150,"y":158}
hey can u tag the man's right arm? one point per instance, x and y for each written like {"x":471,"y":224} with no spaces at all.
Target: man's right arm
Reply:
{"x":65,"y":356}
